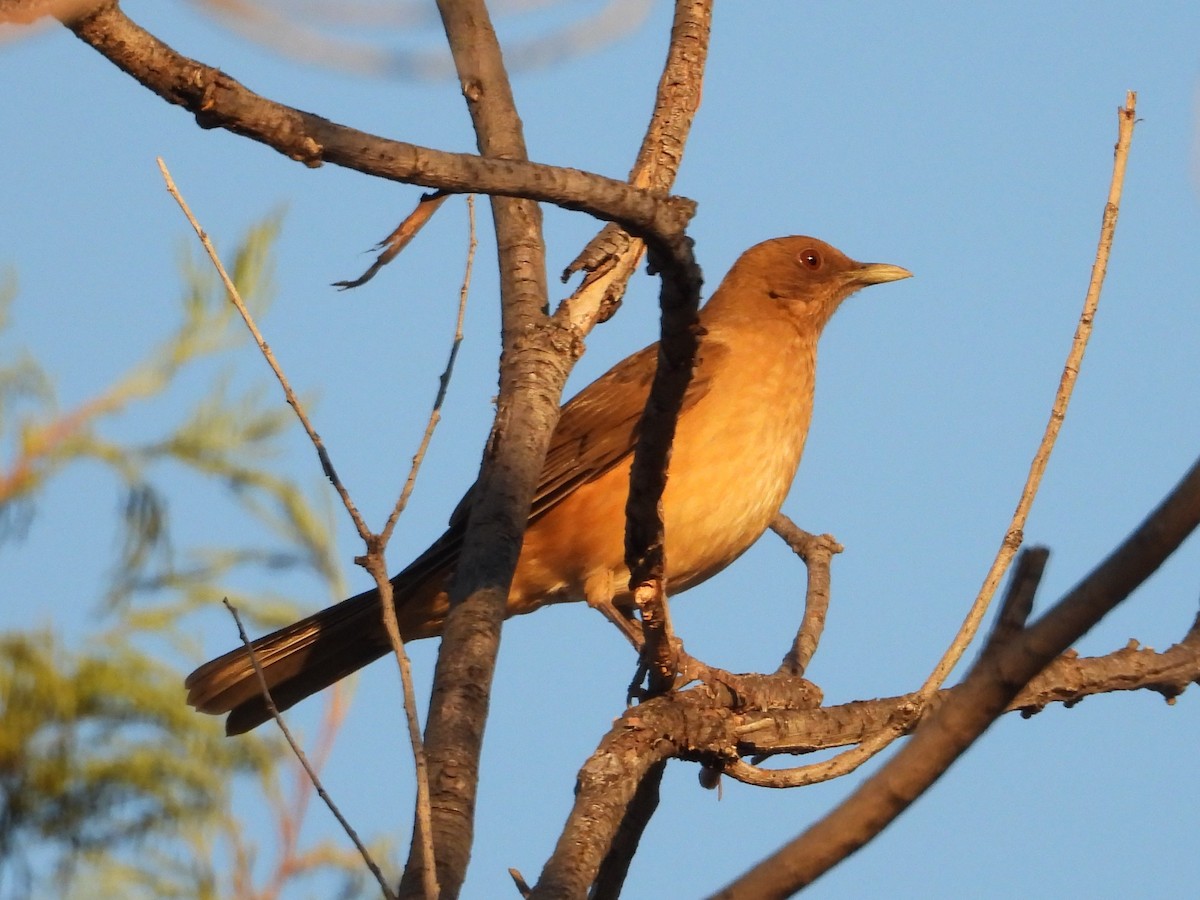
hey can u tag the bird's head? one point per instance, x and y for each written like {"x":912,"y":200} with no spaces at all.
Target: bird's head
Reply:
{"x":801,"y":276}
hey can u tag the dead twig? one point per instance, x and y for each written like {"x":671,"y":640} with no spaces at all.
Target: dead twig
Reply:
{"x":299,"y":753}
{"x":374,"y":561}
{"x":817,"y":552}
{"x":1013,"y":536}
{"x":424,"y":830}
{"x":401,"y":237}
{"x":236,"y":299}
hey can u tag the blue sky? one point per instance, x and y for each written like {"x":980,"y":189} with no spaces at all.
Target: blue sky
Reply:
{"x":970,"y":143}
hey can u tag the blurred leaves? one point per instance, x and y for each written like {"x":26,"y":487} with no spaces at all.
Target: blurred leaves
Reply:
{"x":390,"y":39}
{"x":109,"y":784}
{"x":225,"y":438}
{"x":97,"y":752}
{"x":47,"y":439}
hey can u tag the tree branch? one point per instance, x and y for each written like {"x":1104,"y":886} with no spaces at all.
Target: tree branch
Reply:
{"x":817,"y":552}
{"x":611,"y":257}
{"x":782,"y":714}
{"x":992,"y":686}
{"x":1126,"y":116}
{"x":313,"y":778}
{"x":219,"y":101}
{"x":532,"y":375}
{"x":615,"y":866}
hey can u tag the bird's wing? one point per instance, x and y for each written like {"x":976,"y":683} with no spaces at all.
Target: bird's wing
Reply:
{"x":597,"y":429}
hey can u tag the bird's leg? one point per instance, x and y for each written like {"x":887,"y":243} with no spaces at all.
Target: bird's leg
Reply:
{"x":598,"y":592}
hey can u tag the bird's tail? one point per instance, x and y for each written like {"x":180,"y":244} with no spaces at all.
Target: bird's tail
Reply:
{"x":296,"y":661}
{"x":310,"y":655}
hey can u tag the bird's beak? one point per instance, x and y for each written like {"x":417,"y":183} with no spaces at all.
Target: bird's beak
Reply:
{"x":877,"y":273}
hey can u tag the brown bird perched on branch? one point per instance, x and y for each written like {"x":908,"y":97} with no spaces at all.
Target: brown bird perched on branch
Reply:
{"x":737,"y":445}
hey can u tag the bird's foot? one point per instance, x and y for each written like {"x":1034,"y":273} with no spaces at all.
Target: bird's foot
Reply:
{"x":659,"y":668}
{"x":693,"y":670}
{"x":687,"y":669}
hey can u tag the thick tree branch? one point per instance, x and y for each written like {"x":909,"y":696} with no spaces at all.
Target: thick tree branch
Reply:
{"x":643,"y":737}
{"x":615,"y":867}
{"x":993,"y":685}
{"x":533,"y":372}
{"x":777,"y":714}
{"x":219,"y":101}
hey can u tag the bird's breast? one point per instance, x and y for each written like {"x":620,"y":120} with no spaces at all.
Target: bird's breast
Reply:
{"x":734,"y":459}
{"x":735,"y":454}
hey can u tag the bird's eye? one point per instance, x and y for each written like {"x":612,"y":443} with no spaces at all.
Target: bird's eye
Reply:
{"x":810,"y":259}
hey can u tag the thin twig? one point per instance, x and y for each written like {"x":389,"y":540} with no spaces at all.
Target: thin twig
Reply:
{"x":851,"y":759}
{"x":236,"y":299}
{"x":817,"y":552}
{"x":374,"y":561}
{"x":312,"y":775}
{"x":989,"y":688}
{"x":522,"y":885}
{"x":843,"y":764}
{"x":400,"y":238}
{"x":423,"y":831}
{"x":1015,"y":534}
{"x":435,"y":414}
{"x":292,"y":810}
{"x":1018,"y":601}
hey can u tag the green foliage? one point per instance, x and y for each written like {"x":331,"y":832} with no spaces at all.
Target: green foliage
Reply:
{"x":109,"y":784}
{"x":98,"y":753}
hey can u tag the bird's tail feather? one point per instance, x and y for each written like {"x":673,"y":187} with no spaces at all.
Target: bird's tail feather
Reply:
{"x":310,"y":655}
{"x":296,"y":661}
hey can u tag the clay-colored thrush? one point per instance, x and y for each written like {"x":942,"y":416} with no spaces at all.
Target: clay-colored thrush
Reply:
{"x":737,"y":445}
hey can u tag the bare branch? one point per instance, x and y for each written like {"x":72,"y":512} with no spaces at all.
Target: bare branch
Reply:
{"x":991,"y":687}
{"x":817,"y":552}
{"x":615,"y":867}
{"x":374,"y":561}
{"x":435,"y":414}
{"x":511,"y":466}
{"x":236,"y":299}
{"x":1015,"y":533}
{"x":1017,"y":604}
{"x":219,"y":101}
{"x":299,"y":753}
{"x":423,"y":832}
